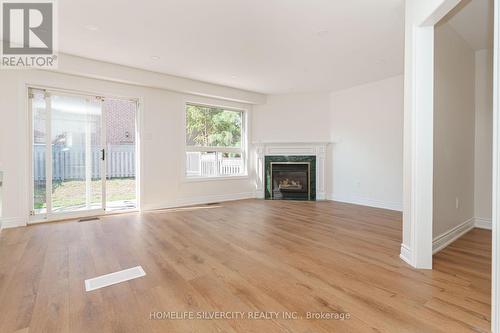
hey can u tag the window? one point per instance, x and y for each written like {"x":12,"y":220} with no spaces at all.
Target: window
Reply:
{"x":215,"y":141}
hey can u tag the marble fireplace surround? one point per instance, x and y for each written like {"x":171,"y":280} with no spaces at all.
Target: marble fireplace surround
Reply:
{"x":317,"y":149}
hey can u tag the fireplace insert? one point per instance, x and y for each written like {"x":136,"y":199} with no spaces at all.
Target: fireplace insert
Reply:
{"x":291,"y":177}
{"x":290,"y":180}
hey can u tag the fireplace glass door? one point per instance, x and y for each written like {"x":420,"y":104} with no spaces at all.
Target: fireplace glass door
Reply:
{"x":290,"y":180}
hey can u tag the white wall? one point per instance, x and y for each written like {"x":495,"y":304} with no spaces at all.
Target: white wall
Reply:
{"x":162,"y":147}
{"x":284,"y":118}
{"x":364,"y":163}
{"x":484,"y":135}
{"x":367,"y":124}
{"x":293,"y":118}
{"x":454,"y":118}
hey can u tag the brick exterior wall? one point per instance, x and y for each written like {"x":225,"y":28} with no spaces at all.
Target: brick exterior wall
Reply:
{"x":120,"y":121}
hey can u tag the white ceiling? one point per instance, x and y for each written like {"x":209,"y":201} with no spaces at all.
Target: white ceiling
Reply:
{"x":269,"y":46}
{"x":473,"y":20}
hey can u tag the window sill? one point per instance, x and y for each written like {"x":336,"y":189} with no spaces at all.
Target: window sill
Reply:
{"x":210,"y":179}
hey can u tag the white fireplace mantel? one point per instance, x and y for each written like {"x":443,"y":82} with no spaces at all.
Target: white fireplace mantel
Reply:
{"x":317,"y":149}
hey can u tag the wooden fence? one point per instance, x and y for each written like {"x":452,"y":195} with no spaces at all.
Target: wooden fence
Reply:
{"x":69,"y":163}
{"x":198,"y":164}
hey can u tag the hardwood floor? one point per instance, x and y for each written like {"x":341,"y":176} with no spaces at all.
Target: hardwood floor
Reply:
{"x":244,"y":256}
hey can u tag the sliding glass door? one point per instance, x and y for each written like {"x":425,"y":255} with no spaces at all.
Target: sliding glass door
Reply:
{"x":76,"y":142}
{"x":69,"y":150}
{"x":120,"y":128}
{"x":67,"y":161}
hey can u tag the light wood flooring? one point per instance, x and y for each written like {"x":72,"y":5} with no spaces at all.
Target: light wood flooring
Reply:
{"x":245,"y":256}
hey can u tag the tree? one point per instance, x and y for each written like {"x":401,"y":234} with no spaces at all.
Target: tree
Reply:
{"x":208,"y":126}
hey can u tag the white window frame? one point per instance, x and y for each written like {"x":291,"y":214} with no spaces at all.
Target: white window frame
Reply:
{"x":243,"y":150}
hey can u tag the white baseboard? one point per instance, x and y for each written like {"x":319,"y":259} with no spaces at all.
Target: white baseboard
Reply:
{"x":482,"y":223}
{"x":260,"y":195}
{"x":451,"y":235}
{"x":405,"y":254}
{"x":397,"y":206}
{"x":200,"y":200}
{"x":320,"y":196}
{"x":13,"y":222}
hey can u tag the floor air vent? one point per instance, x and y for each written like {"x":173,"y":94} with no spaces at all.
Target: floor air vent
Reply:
{"x":114,"y":278}
{"x":87,"y":219}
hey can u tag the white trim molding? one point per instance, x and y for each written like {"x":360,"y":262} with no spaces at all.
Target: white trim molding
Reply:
{"x":208,"y":199}
{"x":317,"y":149}
{"x":445,"y":239}
{"x":397,"y":206}
{"x":405,"y":254}
{"x":13,"y":222}
{"x":482,"y":223}
{"x":495,"y":255}
{"x":420,"y":147}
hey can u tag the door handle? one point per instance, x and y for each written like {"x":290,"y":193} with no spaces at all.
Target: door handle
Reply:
{"x":103,"y":154}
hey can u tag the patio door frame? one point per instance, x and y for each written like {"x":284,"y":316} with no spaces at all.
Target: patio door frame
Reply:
{"x":49,"y":215}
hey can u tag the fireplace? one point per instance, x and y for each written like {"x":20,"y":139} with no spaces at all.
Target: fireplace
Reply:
{"x":290,"y":180}
{"x":290,"y":177}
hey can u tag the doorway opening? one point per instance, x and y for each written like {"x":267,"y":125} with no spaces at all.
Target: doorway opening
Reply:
{"x":463,"y":118}
{"x":463,"y":145}
{"x":83,"y":154}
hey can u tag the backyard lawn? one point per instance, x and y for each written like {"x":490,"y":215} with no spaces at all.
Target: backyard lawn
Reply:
{"x":72,"y":193}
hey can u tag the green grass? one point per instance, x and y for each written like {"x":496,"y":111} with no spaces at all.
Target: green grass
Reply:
{"x":72,"y":193}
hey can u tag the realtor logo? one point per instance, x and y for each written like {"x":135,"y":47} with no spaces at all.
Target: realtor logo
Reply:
{"x":28,"y":34}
